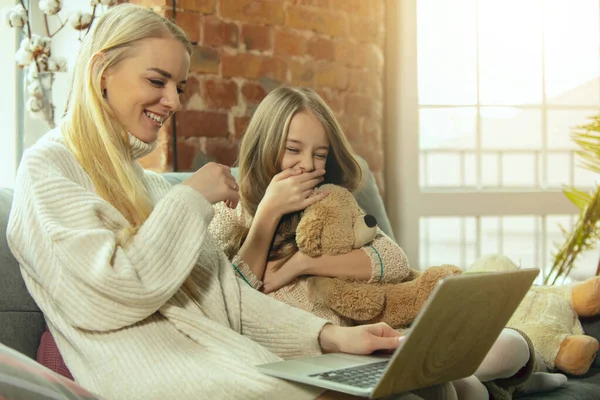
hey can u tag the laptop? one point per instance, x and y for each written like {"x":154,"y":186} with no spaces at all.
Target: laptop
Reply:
{"x":448,"y":340}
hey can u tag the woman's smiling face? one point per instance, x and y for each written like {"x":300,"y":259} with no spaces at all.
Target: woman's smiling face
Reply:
{"x":143,"y":89}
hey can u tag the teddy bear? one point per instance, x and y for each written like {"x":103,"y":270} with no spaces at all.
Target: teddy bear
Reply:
{"x":337,"y":225}
{"x":549,"y":315}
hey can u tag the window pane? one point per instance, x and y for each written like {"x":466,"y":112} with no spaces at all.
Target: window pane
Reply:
{"x":519,"y":170}
{"x":510,"y":52}
{"x":585,"y":266}
{"x":571,"y":45}
{"x":558,"y":170}
{"x":510,"y":128}
{"x":442,"y":170}
{"x":561,"y":124}
{"x":585,"y":179}
{"x":470,"y":170}
{"x":441,"y":128}
{"x":490,"y":170}
{"x":519,"y":240}
{"x":490,"y":235}
{"x":442,"y":239}
{"x":447,"y":68}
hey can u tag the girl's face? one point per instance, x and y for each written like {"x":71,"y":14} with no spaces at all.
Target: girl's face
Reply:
{"x":143,"y":89}
{"x":307,"y":145}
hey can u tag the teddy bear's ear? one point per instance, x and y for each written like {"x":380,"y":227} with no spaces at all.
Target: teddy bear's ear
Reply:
{"x":309,"y":233}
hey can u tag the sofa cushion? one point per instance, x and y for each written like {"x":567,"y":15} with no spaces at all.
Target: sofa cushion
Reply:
{"x":21,"y":321}
{"x":49,"y":356}
{"x":23,"y":379}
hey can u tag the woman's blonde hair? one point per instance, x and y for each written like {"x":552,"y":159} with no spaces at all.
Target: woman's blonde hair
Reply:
{"x":262,"y":148}
{"x":90,"y":128}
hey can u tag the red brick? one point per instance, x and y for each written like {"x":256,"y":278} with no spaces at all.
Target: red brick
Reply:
{"x":192,"y":87}
{"x":378,"y":10}
{"x":240,"y":125}
{"x":253,"y":92}
{"x":205,"y":60}
{"x":218,"y":33}
{"x":257,"y":37}
{"x":333,"y":99}
{"x":375,"y":58}
{"x":331,"y":75}
{"x":202,"y":6}
{"x":330,"y":23}
{"x":359,"y":105}
{"x":219,"y":93}
{"x":355,"y":7}
{"x":257,"y":11}
{"x":365,"y":30}
{"x":372,"y":134}
{"x":190,"y":22}
{"x":315,"y":3}
{"x":187,"y":150}
{"x":351,"y":54}
{"x":301,"y":73}
{"x":321,"y":48}
{"x":366,"y":82}
{"x":193,"y":123}
{"x":352,"y":126}
{"x":289,"y":44}
{"x":253,"y":66}
{"x":222,"y":150}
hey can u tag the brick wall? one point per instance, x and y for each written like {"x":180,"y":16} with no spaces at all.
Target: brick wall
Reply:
{"x":248,"y":47}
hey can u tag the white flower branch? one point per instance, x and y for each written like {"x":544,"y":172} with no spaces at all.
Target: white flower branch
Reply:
{"x":35,"y":51}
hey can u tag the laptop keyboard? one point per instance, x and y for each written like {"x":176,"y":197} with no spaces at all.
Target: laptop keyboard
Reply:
{"x":364,"y":376}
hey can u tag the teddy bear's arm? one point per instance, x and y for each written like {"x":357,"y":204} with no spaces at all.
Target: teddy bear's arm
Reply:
{"x":354,"y":300}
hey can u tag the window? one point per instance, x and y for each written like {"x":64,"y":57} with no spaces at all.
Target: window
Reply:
{"x":490,"y":92}
{"x":8,"y":101}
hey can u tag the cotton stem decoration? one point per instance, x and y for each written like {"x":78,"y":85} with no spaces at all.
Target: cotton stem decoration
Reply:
{"x":35,"y":52}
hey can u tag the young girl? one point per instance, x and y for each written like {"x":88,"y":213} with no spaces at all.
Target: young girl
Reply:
{"x":141,"y":301}
{"x":293,"y":144}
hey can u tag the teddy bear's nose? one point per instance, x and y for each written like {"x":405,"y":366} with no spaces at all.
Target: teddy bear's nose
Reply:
{"x":370,"y":221}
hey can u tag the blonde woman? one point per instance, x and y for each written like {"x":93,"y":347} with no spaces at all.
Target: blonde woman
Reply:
{"x":139,"y":297}
{"x":293,"y":144}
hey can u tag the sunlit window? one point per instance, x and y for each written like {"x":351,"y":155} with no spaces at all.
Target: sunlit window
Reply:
{"x":501,"y":85}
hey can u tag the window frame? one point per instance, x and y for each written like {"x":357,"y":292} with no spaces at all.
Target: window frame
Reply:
{"x":406,"y":201}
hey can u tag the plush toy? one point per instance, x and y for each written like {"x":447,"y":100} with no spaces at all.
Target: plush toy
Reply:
{"x":549,"y":315}
{"x":337,"y":225}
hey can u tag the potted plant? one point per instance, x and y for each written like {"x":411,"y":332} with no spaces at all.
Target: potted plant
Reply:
{"x":585,"y":233}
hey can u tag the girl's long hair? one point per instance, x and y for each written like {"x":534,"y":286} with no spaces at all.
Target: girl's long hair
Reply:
{"x":261,"y":150}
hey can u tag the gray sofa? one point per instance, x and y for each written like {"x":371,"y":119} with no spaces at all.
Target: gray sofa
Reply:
{"x":22,"y":323}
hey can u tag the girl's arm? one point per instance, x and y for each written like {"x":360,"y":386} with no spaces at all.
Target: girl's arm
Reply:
{"x":381,"y":261}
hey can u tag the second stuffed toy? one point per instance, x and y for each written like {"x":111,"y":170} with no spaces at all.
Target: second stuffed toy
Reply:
{"x":549,"y":315}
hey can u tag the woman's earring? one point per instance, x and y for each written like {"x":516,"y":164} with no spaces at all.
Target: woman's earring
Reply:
{"x":104,"y":93}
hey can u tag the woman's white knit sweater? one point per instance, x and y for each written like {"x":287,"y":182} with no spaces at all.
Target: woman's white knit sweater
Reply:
{"x":163,"y":317}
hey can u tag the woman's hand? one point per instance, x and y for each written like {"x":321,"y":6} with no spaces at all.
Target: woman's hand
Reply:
{"x":362,"y":339}
{"x":215,"y":182}
{"x":292,"y":190}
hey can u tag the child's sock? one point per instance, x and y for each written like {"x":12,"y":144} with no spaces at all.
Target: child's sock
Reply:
{"x":544,"y":382}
